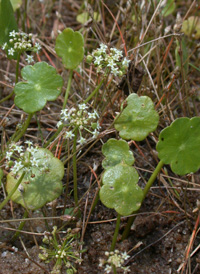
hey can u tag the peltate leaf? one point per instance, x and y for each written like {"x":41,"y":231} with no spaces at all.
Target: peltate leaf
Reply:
{"x":42,"y":187}
{"x":69,"y":46}
{"x":120,"y":190}
{"x":179,"y":145}
{"x":42,"y":84}
{"x":116,"y":151}
{"x":7,"y":23}
{"x":138,"y":119}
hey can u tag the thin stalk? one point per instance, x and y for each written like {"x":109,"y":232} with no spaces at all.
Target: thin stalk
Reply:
{"x":12,"y":191}
{"x":114,"y":240}
{"x":68,"y":88}
{"x":24,"y":128}
{"x":16,"y":80}
{"x":75,"y":167}
{"x":20,"y":227}
{"x":145,"y":191}
{"x":94,"y":92}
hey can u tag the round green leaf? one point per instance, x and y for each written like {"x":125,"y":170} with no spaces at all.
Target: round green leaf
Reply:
{"x":116,"y":151}
{"x":120,"y":190}
{"x":42,"y":84}
{"x":138,"y":119}
{"x":69,"y":46}
{"x":43,"y":187}
{"x":179,"y":145}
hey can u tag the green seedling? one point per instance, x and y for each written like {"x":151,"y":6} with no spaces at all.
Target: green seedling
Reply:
{"x":61,"y":251}
{"x":41,"y":84}
{"x":179,"y":145}
{"x":138,"y":119}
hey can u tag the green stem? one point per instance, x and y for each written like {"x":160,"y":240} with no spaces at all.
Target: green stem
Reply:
{"x":94,"y":92}
{"x":68,"y":88}
{"x":75,"y":167}
{"x":114,"y":240}
{"x":16,"y":80}
{"x":145,"y":191}
{"x":12,"y":191}
{"x":114,"y":269}
{"x":20,"y":227}
{"x":24,"y":128}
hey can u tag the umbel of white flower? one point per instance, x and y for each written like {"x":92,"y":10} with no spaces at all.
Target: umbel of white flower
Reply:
{"x":20,"y":42}
{"x":80,"y":118}
{"x":109,"y":60}
{"x":22,"y":159}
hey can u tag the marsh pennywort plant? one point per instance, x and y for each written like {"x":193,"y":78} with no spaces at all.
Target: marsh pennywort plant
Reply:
{"x":74,"y":122}
{"x":34,"y":178}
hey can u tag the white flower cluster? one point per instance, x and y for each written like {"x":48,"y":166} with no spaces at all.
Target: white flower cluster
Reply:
{"x":20,"y":42}
{"x":110,"y":59}
{"x":79,"y":118}
{"x":115,"y":259}
{"x":20,"y":159}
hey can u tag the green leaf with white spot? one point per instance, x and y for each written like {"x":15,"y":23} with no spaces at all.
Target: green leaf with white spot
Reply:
{"x":70,"y":47}
{"x":40,"y":188}
{"x":120,"y":190}
{"x":116,"y":151}
{"x":41,"y":84}
{"x":179,"y":145}
{"x":138,"y":119}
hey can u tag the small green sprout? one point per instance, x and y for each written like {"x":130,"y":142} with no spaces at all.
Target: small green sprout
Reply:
{"x":64,"y":252}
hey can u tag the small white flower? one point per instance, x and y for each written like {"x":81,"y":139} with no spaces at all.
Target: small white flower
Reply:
{"x":82,"y":106}
{"x":82,"y":141}
{"x":108,"y":268}
{"x":98,"y":60}
{"x":59,"y":124}
{"x":29,"y":143}
{"x":29,"y":59}
{"x":12,"y":33}
{"x":103,"y":47}
{"x":19,"y":149}
{"x":125,"y":62}
{"x":35,"y":162}
{"x":125,"y":256}
{"x":37,"y":46}
{"x":32,"y":150}
{"x":69,"y":134}
{"x":11,"y":51}
{"x":91,"y":115}
{"x":8,"y":155}
{"x":4,"y":46}
{"x":95,"y":133}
